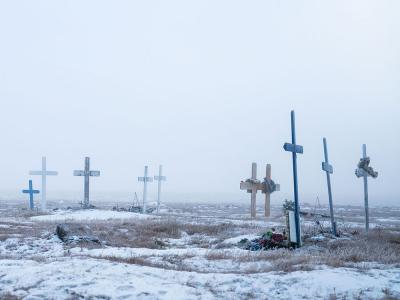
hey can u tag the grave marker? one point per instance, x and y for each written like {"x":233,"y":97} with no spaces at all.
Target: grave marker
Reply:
{"x":87,"y":173}
{"x":31,"y":192}
{"x":365,"y":171}
{"x":269,"y":187}
{"x":329,"y":170}
{"x":252,"y":185}
{"x":44,"y":173}
{"x":159,"y":178}
{"x":294,"y":148}
{"x":145,"y":179}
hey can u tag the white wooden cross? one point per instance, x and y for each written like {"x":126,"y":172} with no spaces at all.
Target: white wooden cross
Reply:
{"x":87,"y":173}
{"x":159,"y":178}
{"x":44,"y":173}
{"x":252,"y":185}
{"x":145,"y":179}
{"x":269,"y":187}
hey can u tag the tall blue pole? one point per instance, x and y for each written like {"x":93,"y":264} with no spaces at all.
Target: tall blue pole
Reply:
{"x":295,"y":181}
{"x":295,"y":149}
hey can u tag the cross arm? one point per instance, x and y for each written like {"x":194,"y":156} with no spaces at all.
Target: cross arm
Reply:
{"x":30,"y":191}
{"x":327,"y":167}
{"x":293,"y":148}
{"x":94,"y":173}
{"x":47,"y":173}
{"x":161,"y":178}
{"x":145,"y":179}
{"x":79,"y":173}
{"x":249,"y":185}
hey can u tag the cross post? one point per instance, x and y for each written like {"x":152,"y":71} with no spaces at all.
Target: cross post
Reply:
{"x":44,"y":173}
{"x":159,"y":178}
{"x":252,"y":185}
{"x":294,"y":148}
{"x":145,"y":179}
{"x":329,"y":170}
{"x":269,"y":187}
{"x":87,"y":173}
{"x":31,"y":192}
{"x":364,"y":170}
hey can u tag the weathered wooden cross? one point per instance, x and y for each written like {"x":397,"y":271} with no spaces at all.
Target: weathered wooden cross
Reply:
{"x":252,"y":185}
{"x":31,"y":192}
{"x":87,"y":173}
{"x":269,"y":187}
{"x":159,"y":178}
{"x":44,"y":173}
{"x":294,"y":148}
{"x":364,"y":170}
{"x":329,"y":170}
{"x":145,"y":179}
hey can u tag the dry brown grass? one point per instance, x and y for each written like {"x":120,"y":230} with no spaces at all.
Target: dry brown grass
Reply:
{"x":9,"y":296}
{"x":152,"y":233}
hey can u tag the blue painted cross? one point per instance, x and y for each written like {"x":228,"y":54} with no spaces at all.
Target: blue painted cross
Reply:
{"x":329,"y":170}
{"x":31,"y":191}
{"x":294,"y":148}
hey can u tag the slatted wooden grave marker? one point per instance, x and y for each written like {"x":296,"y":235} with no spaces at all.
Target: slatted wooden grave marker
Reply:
{"x":160,"y":178}
{"x":328,"y":168}
{"x":269,"y":187}
{"x":295,"y":149}
{"x":252,"y":185}
{"x":87,"y":173}
{"x":145,"y":179}
{"x":44,"y":173}
{"x":31,"y":192}
{"x":364,"y":170}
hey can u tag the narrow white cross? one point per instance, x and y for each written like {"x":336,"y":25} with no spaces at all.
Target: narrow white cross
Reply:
{"x":43,"y":173}
{"x":87,"y":173}
{"x":145,"y":179}
{"x":252,"y":185}
{"x":269,"y":187}
{"x":159,"y":178}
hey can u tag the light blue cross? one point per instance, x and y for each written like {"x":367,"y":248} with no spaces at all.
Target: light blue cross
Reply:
{"x":294,"y":148}
{"x":31,"y":192}
{"x":329,"y":170}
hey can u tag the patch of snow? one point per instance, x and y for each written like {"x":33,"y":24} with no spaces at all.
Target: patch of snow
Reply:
{"x":92,"y":278}
{"x":90,"y":215}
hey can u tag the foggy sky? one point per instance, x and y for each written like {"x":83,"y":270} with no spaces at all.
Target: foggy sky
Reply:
{"x":204,"y":88}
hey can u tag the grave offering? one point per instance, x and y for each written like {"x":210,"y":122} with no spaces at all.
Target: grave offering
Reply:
{"x":294,"y":148}
{"x":145,"y":179}
{"x":44,"y":173}
{"x":31,"y":192}
{"x":87,"y":173}
{"x":364,"y":170}
{"x":159,"y":178}
{"x":329,"y":170}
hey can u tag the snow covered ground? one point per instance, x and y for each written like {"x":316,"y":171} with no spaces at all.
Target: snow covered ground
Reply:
{"x":35,"y":264}
{"x":89,"y":215}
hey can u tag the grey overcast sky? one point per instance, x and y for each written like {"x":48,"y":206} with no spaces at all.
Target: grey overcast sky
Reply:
{"x":203,"y":87}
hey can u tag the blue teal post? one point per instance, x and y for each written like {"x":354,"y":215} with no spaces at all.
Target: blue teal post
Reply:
{"x":329,"y":170}
{"x":31,"y":192}
{"x":295,"y":149}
